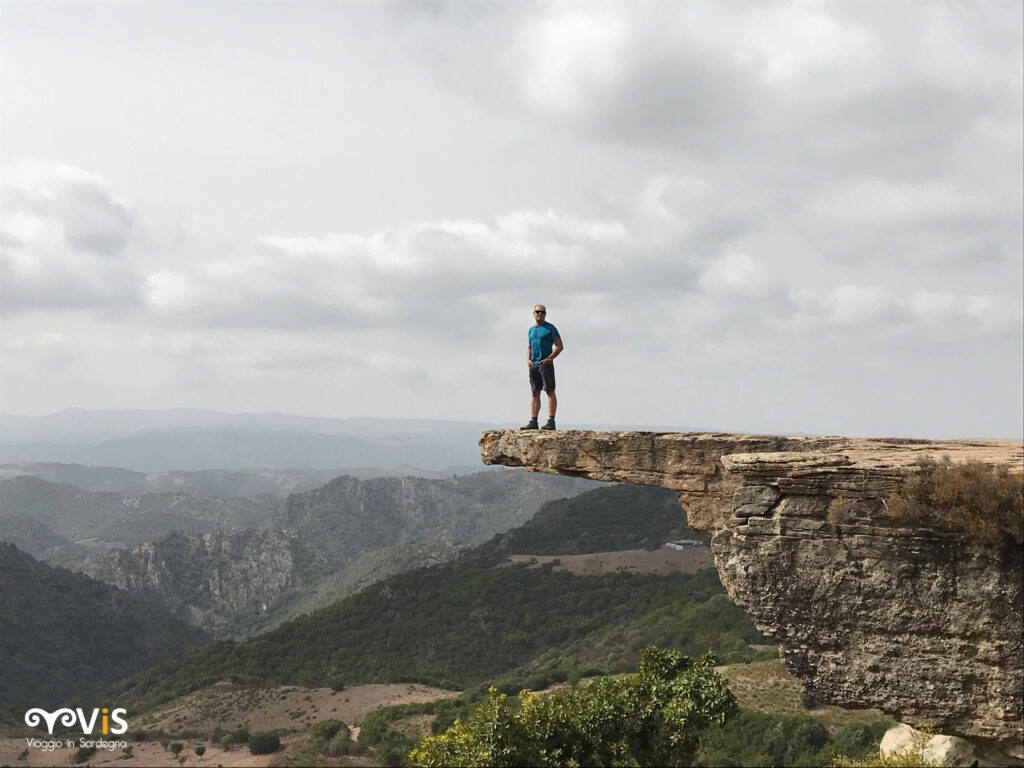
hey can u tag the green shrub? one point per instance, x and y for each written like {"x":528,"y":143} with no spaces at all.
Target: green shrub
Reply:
{"x":325,"y":730}
{"x":653,"y":717}
{"x":83,"y":754}
{"x":264,"y":743}
{"x":342,"y":744}
{"x":755,"y":739}
{"x":985,"y":500}
{"x":856,"y":740}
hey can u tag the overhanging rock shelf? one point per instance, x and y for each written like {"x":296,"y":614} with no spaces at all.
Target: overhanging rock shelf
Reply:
{"x":924,"y":623}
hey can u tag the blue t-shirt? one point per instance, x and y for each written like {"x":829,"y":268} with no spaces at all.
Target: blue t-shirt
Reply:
{"x":541,"y":338}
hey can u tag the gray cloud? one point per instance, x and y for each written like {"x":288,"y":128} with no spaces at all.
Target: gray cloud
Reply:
{"x":64,"y":236}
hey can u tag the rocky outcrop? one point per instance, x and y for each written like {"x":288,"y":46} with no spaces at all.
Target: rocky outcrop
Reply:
{"x":937,"y":749}
{"x":922,"y":622}
{"x":213,"y":579}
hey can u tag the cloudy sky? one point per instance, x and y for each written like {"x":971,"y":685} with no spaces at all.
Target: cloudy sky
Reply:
{"x":742,"y":216}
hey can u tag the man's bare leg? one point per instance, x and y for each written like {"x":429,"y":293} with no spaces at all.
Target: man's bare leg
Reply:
{"x":552,"y":404}
{"x":534,"y":405}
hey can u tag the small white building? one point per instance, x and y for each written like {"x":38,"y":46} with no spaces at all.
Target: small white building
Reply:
{"x":685,"y":544}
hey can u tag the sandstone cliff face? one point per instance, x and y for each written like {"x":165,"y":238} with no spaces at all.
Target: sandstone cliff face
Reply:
{"x":924,"y":623}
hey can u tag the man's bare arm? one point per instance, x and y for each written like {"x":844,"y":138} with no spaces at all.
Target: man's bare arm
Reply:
{"x":556,"y":351}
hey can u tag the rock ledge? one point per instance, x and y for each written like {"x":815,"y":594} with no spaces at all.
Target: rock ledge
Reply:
{"x":922,"y":623}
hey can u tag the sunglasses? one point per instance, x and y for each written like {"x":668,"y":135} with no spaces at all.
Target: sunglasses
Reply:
{"x":539,"y":312}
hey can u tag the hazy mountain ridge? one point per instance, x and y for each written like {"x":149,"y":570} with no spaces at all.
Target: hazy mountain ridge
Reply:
{"x":220,"y":483}
{"x":30,"y":535}
{"x":108,"y":518}
{"x":185,"y":439}
{"x":347,"y":516}
{"x":68,"y":511}
{"x":196,"y":556}
{"x":189,"y":439}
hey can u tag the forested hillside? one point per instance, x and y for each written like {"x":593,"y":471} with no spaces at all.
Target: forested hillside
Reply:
{"x":605,"y":519}
{"x":62,"y":633}
{"x":464,"y":623}
{"x":29,"y":535}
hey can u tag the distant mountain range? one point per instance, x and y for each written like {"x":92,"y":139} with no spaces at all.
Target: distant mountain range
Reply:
{"x":106,"y":518}
{"x":222,"y":483}
{"x":193,"y":440}
{"x":238,"y":565}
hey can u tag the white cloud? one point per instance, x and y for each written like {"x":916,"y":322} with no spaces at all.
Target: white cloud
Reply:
{"x":574,"y":55}
{"x":870,"y":219}
{"x":929,"y":315}
{"x":856,"y":304}
{"x":63,"y":239}
{"x":739,"y":275}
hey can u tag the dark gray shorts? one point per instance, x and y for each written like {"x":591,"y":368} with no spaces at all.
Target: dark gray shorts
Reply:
{"x":542,"y":376}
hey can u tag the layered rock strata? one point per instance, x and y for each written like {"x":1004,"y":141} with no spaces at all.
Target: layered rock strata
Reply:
{"x":921,"y":621}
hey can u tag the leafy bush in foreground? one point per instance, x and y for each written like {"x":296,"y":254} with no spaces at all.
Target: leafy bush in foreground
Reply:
{"x":654,"y":717}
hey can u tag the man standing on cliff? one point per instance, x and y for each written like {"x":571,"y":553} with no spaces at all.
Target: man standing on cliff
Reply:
{"x":545,"y":345}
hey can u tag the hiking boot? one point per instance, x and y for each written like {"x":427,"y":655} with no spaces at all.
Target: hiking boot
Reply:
{"x":550,"y":424}
{"x":531,"y":424}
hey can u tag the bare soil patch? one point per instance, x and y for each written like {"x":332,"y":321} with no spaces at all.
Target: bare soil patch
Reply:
{"x":291,"y":707}
{"x":659,"y":561}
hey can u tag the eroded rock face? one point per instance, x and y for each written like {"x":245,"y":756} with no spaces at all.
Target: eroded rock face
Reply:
{"x":207,"y":579}
{"x":924,"y":623}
